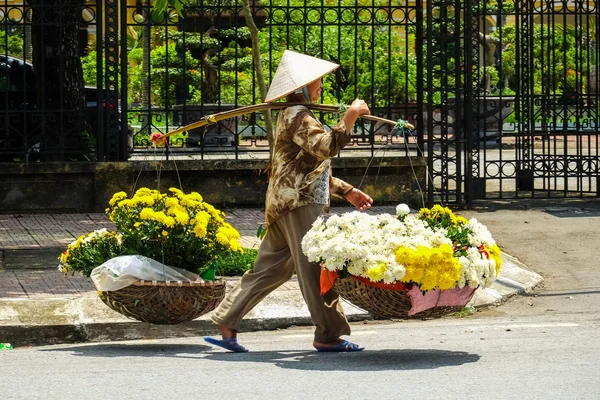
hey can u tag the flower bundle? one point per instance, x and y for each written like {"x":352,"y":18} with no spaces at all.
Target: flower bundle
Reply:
{"x":431,"y":249}
{"x":174,"y":228}
{"x":88,"y":251}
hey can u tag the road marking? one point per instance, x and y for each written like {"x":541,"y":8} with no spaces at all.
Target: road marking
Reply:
{"x":310,"y":335}
{"x":556,"y":325}
{"x":517,"y":326}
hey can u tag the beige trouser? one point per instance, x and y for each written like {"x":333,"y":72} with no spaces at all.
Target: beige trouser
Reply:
{"x":279,"y":254}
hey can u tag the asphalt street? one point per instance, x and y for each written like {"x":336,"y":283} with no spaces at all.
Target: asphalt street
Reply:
{"x":529,"y":357}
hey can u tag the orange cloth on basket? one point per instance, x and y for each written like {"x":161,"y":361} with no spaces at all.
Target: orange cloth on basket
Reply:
{"x":327,"y":280}
{"x":392,"y":286}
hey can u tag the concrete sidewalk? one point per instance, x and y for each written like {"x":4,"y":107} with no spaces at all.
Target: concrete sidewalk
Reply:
{"x":39,"y":305}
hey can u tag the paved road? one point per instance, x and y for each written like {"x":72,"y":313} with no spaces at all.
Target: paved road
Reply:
{"x":558,"y":239}
{"x":469,"y":358}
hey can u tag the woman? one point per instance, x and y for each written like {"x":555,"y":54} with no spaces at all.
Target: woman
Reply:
{"x":300,"y":185}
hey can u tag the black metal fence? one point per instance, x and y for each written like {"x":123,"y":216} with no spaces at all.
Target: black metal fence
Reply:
{"x":504,"y":93}
{"x":183,"y":67}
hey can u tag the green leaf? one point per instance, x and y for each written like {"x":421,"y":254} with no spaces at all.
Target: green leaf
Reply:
{"x":135,"y":303}
{"x":261,"y":231}
{"x":158,"y":16}
{"x":160,"y":6}
{"x":178,"y":6}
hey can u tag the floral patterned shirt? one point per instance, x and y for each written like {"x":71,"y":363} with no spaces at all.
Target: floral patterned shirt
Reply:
{"x":301,"y":155}
{"x":322,"y":190}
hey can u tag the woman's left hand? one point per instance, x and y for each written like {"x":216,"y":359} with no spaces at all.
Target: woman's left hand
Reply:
{"x":359,"y":199}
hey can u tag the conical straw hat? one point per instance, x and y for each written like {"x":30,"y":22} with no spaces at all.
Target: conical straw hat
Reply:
{"x":295,"y":71}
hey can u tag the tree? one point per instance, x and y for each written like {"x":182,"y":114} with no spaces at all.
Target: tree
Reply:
{"x":208,"y":84}
{"x":59,"y":76}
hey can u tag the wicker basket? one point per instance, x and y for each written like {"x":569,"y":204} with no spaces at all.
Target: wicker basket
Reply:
{"x":386,"y":303}
{"x":160,"y":303}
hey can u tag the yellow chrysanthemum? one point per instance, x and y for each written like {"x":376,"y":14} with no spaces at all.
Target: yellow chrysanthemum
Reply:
{"x":137,"y":224}
{"x":116,"y":197}
{"x":175,"y":209}
{"x":143,"y":191}
{"x":195,"y":196}
{"x":200,"y":230}
{"x":211,"y":210}
{"x":222,"y":238}
{"x":177,"y":192}
{"x":159,"y":216}
{"x":147,"y":214}
{"x":164,"y":233}
{"x":446,"y":281}
{"x":145,"y":200}
{"x":203,"y":217}
{"x":171,"y":202}
{"x":123,"y":203}
{"x":187,"y":201}
{"x":182,"y":217}
{"x":169,"y":222}
{"x":495,"y":255}
{"x":376,"y":273}
{"x":429,"y":267}
{"x":461,"y":221}
{"x":234,"y":245}
{"x":430,"y":280}
{"x":77,"y":242}
{"x":229,"y":231}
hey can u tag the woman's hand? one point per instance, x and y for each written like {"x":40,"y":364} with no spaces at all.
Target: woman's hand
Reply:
{"x":359,"y":199}
{"x":360,"y":106}
{"x":356,"y":109}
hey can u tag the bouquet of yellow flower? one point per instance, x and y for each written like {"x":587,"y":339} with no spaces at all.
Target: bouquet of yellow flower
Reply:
{"x":90,"y":251}
{"x":174,"y":228}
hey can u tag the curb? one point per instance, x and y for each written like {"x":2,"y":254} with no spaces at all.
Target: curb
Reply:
{"x":73,"y":320}
{"x":42,"y":335}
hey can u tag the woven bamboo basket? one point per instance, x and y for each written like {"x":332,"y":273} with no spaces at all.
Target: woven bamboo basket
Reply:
{"x":385,"y":303}
{"x":165,"y":303}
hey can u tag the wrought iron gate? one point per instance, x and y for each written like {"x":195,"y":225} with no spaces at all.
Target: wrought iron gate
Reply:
{"x":512,"y":106}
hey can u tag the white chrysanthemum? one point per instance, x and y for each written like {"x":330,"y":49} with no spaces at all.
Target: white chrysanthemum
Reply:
{"x":480,"y":234}
{"x":402,"y":210}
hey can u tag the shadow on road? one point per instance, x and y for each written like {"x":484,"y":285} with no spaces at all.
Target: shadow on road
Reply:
{"x":570,"y":207}
{"x":134,"y":350}
{"x":374,"y":360}
{"x":367,"y":360}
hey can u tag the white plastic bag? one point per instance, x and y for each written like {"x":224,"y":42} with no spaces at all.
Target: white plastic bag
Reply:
{"x":122,"y":271}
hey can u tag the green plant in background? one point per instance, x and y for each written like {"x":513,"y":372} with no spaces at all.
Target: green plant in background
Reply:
{"x":11,"y":45}
{"x":226,"y":66}
{"x":89,"y":64}
{"x":168,"y":69}
{"x":559,"y":62}
{"x":236,"y":263}
{"x":377,"y":61}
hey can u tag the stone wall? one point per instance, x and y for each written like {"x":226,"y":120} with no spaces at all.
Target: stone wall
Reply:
{"x":87,"y":187}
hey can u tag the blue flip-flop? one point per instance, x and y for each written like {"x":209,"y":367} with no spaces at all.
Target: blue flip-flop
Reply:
{"x":343,"y":347}
{"x":230,"y":344}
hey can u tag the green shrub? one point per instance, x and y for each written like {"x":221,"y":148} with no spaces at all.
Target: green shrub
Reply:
{"x":11,"y":45}
{"x":235,"y":264}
